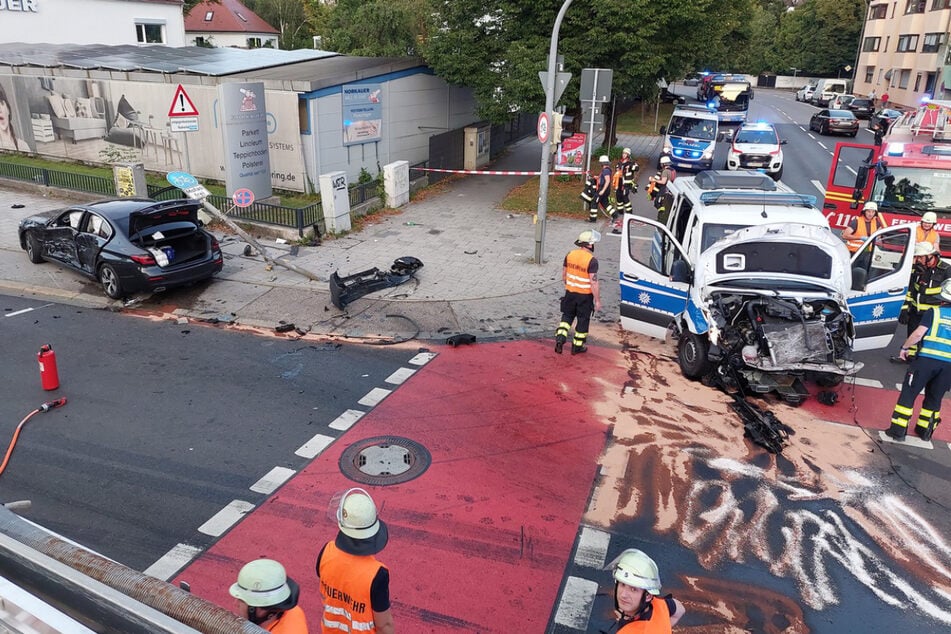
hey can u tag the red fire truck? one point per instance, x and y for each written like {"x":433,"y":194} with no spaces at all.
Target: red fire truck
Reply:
{"x":908,"y":173}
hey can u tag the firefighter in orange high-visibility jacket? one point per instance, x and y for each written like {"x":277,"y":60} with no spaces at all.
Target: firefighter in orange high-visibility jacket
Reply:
{"x":930,"y":370}
{"x":582,"y":294}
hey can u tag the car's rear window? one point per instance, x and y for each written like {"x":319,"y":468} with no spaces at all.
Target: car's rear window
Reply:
{"x":841,"y":114}
{"x":861,"y":102}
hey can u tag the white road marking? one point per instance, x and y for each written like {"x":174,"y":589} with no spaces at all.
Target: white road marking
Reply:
{"x":851,"y":170}
{"x":346,"y":420}
{"x":820,"y":187}
{"x":19,"y":312}
{"x":867,"y":382}
{"x":592,"y":548}
{"x":898,"y":386}
{"x":226,"y":518}
{"x":171,"y":562}
{"x":574,"y":610}
{"x":272,"y":479}
{"x":374,"y":396}
{"x":400,"y":375}
{"x":822,"y":145}
{"x":423,"y":358}
{"x":313,"y":447}
{"x":910,"y":440}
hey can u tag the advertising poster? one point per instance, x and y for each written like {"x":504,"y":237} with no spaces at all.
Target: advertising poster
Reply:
{"x":362,"y":113}
{"x":247,"y":156}
{"x":571,"y":154}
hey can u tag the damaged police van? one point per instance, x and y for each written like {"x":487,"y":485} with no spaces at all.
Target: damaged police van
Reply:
{"x":748,"y":277}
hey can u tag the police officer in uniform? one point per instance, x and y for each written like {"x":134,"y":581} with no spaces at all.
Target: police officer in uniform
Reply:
{"x":924,"y":289}
{"x":638,"y":606}
{"x":624,"y":177}
{"x":354,"y":585}
{"x":930,"y":370}
{"x":582,"y":294}
{"x":604,"y":191}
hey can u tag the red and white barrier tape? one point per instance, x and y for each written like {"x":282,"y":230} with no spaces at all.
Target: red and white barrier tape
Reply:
{"x":488,"y":172}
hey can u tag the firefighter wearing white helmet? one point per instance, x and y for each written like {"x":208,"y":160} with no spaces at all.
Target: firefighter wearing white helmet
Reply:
{"x":604,"y":191}
{"x":924,"y":289}
{"x":268,"y":597}
{"x":863,"y":226}
{"x":930,"y":370}
{"x":657,"y":187}
{"x":624,"y":186}
{"x":355,"y":586}
{"x":637,"y":602}
{"x":582,"y":293}
{"x":927,"y":232}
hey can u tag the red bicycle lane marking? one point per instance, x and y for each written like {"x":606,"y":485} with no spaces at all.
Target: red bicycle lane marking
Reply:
{"x":483,"y":537}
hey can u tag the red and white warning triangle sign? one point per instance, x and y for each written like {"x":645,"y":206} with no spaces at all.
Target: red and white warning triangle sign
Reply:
{"x":182,"y":105}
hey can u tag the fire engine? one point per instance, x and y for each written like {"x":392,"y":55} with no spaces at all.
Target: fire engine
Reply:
{"x":907,"y":173}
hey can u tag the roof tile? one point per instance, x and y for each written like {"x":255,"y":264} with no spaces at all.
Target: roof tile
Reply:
{"x":226,"y":18}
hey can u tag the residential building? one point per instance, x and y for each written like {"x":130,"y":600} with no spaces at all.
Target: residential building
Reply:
{"x":228,"y":23}
{"x":109,"y":22}
{"x":904,"y":51}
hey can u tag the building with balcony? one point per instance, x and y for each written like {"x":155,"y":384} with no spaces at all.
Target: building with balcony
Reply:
{"x":904,"y":51}
{"x":109,"y":22}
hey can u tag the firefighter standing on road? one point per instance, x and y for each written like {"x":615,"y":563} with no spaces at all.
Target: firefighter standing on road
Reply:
{"x":862,"y":227}
{"x":624,"y":187}
{"x":638,"y":605}
{"x":582,"y":295}
{"x":930,"y":370}
{"x":924,"y":289}
{"x":604,"y":191}
{"x":354,"y":585}
{"x":268,"y":597}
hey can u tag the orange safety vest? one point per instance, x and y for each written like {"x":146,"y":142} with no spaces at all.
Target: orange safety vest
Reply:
{"x":927,"y":236}
{"x":855,"y":243}
{"x":578,"y":280}
{"x":291,"y":622}
{"x":345,"y":586}
{"x":659,"y":622}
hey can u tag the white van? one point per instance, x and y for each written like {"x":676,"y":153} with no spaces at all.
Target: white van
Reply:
{"x":690,"y":138}
{"x":826,"y":89}
{"x":747,"y":272}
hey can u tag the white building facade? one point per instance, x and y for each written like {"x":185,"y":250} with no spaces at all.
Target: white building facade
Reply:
{"x":102,"y":22}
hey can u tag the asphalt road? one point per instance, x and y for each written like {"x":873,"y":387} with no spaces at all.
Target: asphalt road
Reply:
{"x":165,"y":424}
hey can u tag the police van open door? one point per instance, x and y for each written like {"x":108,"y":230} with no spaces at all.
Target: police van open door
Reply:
{"x":650,"y":256}
{"x":881,"y":270}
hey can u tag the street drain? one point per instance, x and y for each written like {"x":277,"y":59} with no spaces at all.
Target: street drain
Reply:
{"x":384,"y":460}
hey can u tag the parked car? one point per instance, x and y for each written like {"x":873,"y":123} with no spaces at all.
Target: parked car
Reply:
{"x":757,"y":146}
{"x":667,"y":96}
{"x":692,"y":79}
{"x":882,"y":119}
{"x":862,"y":107}
{"x":805,"y":93}
{"x":839,"y":121}
{"x":129,"y":245}
{"x":840,"y":102}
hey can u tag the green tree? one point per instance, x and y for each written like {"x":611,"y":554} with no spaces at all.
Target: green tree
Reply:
{"x":191,"y":4}
{"x":821,"y":36}
{"x":292,"y":18}
{"x":375,"y":28}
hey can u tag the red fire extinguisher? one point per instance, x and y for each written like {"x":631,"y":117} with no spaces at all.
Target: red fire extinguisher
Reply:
{"x":49,"y":375}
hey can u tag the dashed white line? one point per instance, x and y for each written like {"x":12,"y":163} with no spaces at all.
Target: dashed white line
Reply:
{"x":313,"y":447}
{"x":820,"y":187}
{"x":822,"y":145}
{"x":592,"y":548}
{"x":423,"y":358}
{"x":374,"y":396}
{"x":272,"y":480}
{"x":400,"y":375}
{"x":574,"y":610}
{"x":851,"y":170}
{"x":171,"y":562}
{"x":18,"y":312}
{"x":346,"y":420}
{"x":226,"y":518}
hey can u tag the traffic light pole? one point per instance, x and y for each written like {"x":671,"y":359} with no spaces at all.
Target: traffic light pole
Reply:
{"x":540,"y":218}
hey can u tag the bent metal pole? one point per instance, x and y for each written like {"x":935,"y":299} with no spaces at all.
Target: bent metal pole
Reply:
{"x":546,"y":146}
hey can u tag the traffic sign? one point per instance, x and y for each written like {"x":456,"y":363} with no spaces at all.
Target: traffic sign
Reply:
{"x":182,"y":105}
{"x":188,"y":184}
{"x":561,"y":82}
{"x":183,"y":124}
{"x":243,"y":197}
{"x":543,"y":128}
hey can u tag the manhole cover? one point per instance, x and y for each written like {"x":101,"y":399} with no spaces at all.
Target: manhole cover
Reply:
{"x":384,"y":460}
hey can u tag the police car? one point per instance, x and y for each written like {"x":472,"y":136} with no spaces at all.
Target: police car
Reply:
{"x":757,"y":146}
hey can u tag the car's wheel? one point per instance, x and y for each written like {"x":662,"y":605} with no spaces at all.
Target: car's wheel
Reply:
{"x":824,"y":129}
{"x":692,"y":355}
{"x":778,"y":174}
{"x":33,"y":248}
{"x":852,"y":134}
{"x":110,"y":281}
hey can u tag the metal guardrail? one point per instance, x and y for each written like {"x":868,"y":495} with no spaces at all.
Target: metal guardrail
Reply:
{"x":300,"y":218}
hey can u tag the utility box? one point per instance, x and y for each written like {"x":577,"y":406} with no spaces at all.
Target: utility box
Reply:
{"x":129,"y":179}
{"x":335,"y":201}
{"x":477,"y":140}
{"x":396,"y":183}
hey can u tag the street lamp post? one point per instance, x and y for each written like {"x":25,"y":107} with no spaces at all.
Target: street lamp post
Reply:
{"x":546,"y":146}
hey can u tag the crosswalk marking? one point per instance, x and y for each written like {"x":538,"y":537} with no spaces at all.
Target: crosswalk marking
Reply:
{"x":592,"y":548}
{"x":574,"y":610}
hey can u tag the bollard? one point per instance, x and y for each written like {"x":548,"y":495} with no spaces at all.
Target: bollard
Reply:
{"x":49,"y":375}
